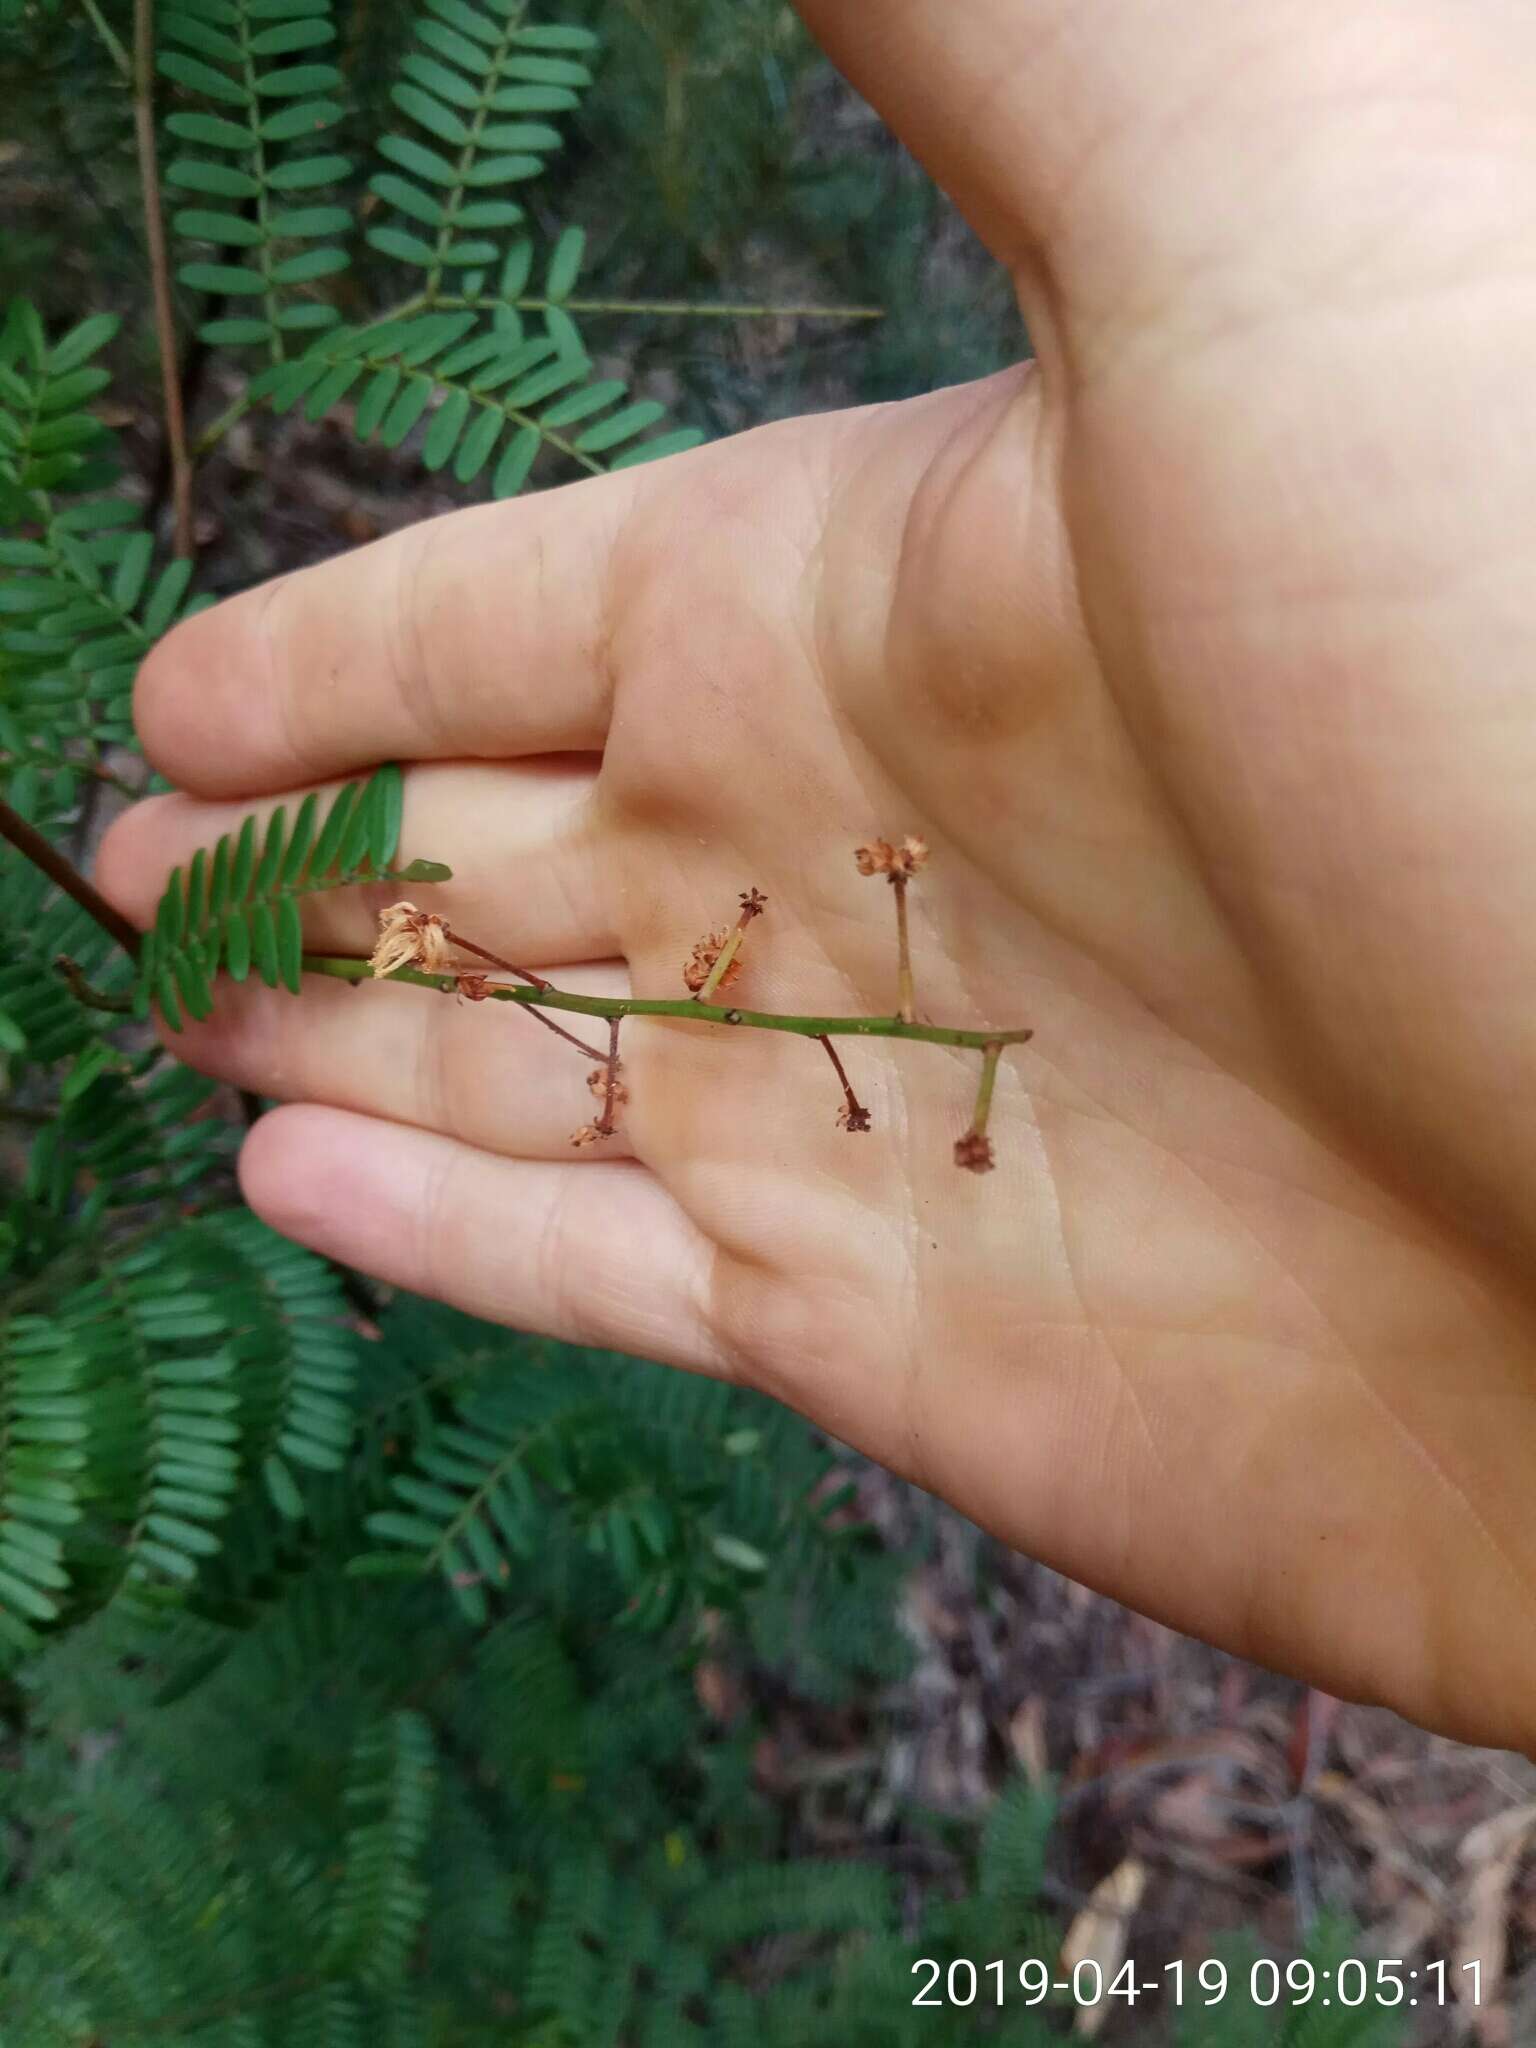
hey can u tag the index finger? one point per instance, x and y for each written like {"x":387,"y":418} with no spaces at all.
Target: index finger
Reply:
{"x":482,"y":633}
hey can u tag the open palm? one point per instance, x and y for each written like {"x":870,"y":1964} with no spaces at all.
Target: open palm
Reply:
{"x":1197,"y":650}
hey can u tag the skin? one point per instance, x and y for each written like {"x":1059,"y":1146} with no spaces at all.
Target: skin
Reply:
{"x":1200,"y":649}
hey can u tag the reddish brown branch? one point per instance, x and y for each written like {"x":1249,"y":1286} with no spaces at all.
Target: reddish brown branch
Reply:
{"x":160,"y":270}
{"x":853,"y":1116}
{"x":44,"y":854}
{"x":610,"y":1084}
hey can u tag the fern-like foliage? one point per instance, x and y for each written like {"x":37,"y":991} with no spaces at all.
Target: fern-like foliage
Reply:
{"x":130,"y":1130}
{"x":236,"y":906}
{"x":472,"y":86}
{"x":494,"y":376}
{"x":492,"y":396}
{"x":262,"y":159}
{"x":655,"y":1474}
{"x":381,"y":1898}
{"x":81,"y":601}
{"x":186,"y":1369}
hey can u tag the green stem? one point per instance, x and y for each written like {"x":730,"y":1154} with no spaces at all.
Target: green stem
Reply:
{"x":216,"y":429}
{"x":237,"y":408}
{"x":983,"y":1107}
{"x":110,"y":39}
{"x":269,"y":298}
{"x":664,"y":308}
{"x":689,"y":1008}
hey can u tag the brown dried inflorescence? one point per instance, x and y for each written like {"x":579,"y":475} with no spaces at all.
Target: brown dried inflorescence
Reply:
{"x":974,"y":1152}
{"x":853,"y":1116}
{"x":409,"y":937}
{"x":897,"y":863}
{"x":702,"y":959}
{"x":597,"y":1081}
{"x":589,"y":1134}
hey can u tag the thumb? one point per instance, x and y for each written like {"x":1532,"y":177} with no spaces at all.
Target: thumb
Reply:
{"x":1106,"y":152}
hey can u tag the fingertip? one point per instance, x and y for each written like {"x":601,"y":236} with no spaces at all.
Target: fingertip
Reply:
{"x":282,"y":1162}
{"x":203,"y":705}
{"x":321,"y":1176}
{"x":132,"y":861}
{"x":162,"y":692}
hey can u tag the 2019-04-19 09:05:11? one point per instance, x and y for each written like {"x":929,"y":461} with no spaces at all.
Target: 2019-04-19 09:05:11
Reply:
{"x":1355,"y":1981}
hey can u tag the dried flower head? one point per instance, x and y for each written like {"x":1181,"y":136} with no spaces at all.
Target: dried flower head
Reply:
{"x":597,"y":1081}
{"x":853,"y":1117}
{"x":703,"y":957}
{"x":753,"y":903}
{"x":974,"y":1152}
{"x":894,"y":862}
{"x":409,"y":937}
{"x":589,"y":1134}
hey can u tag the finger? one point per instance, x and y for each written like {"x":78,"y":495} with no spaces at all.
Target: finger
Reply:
{"x":479,"y":633}
{"x":485,"y":1072}
{"x":1125,"y":147}
{"x":520,"y":837}
{"x":598,"y":1255}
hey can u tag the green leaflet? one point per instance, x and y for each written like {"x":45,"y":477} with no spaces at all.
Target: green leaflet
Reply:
{"x":264,"y":117}
{"x":82,"y":598}
{"x":467,"y":86}
{"x":244,"y":908}
{"x":456,"y":76}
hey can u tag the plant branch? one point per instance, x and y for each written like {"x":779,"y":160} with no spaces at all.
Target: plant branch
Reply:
{"x":523,"y":973}
{"x":688,"y":1008}
{"x":160,"y":269}
{"x":216,"y":429}
{"x":72,"y":975}
{"x":110,"y":39}
{"x":29,"y":842}
{"x":853,"y":1115}
{"x":904,"y":999}
{"x":534,"y":981}
{"x":610,"y":1078}
{"x":664,"y":308}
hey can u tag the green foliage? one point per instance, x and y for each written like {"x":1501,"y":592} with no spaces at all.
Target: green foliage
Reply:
{"x":380,"y":1901}
{"x":185,"y":1368}
{"x":79,"y":604}
{"x":252,"y":189}
{"x":237,"y":904}
{"x":473,"y":85}
{"x":257,"y":97}
{"x":1320,"y":2017}
{"x":654,"y":1474}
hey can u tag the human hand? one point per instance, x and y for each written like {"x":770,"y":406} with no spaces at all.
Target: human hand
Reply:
{"x":1199,"y":651}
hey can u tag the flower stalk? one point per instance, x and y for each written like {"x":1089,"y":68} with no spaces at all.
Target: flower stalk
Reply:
{"x":720,"y":957}
{"x":898,"y":864}
{"x":904,"y":996}
{"x":973,"y":1150}
{"x":853,"y":1116}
